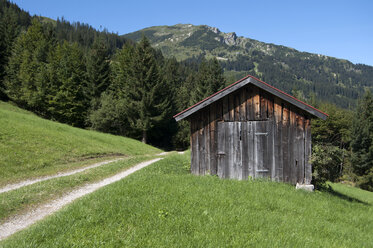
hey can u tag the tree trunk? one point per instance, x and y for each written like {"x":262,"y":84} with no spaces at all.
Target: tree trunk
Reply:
{"x":144,"y":137}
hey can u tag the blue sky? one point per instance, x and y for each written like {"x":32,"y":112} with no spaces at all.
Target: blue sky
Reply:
{"x":342,"y":29}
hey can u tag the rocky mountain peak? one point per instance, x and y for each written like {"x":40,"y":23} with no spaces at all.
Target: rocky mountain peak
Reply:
{"x":230,"y":38}
{"x":213,"y":29}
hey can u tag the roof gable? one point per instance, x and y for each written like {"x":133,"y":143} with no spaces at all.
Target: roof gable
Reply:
{"x":260,"y":84}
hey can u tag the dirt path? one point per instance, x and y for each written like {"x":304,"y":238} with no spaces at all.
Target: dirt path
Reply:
{"x":20,"y":222}
{"x":10,"y":187}
{"x":166,"y":153}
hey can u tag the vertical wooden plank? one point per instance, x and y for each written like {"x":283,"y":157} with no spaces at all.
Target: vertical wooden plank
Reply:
{"x":193,"y":145}
{"x":257,"y":158}
{"x":239,"y":151}
{"x":266,"y":148}
{"x":308,"y":172}
{"x":231,"y":107}
{"x":244,"y":150}
{"x":222,"y":151}
{"x":271,"y":127}
{"x":285,"y":144}
{"x":292,"y":148}
{"x":250,"y":110}
{"x":236,"y":150}
{"x":232,"y":149}
{"x":277,"y":110}
{"x":201,"y":145}
{"x":298,"y":148}
{"x":213,"y":144}
{"x":225,"y":108}
{"x":263,"y":105}
{"x":270,"y":107}
{"x":237,"y":108}
{"x":243,"y":102}
{"x":278,"y":139}
{"x":219,"y":110}
{"x":302,"y":151}
{"x":197,"y":145}
{"x":251,"y":149}
{"x":229,"y":149}
{"x":206,"y":138}
{"x":256,"y":103}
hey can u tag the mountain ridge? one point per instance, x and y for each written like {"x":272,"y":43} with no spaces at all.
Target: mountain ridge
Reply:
{"x":304,"y":74}
{"x":229,"y":38}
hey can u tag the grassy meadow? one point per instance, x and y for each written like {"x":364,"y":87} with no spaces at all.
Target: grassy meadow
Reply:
{"x":23,"y":199}
{"x":31,"y":146}
{"x":163,"y":205}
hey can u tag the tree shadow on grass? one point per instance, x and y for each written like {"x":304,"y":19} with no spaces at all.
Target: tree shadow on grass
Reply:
{"x":331,"y":191}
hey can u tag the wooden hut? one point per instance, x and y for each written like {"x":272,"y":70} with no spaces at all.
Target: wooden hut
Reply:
{"x":250,"y":129}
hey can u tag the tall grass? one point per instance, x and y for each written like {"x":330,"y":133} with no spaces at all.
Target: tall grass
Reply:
{"x":164,"y":206}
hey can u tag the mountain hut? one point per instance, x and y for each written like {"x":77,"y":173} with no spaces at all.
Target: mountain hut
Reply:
{"x":250,"y":129}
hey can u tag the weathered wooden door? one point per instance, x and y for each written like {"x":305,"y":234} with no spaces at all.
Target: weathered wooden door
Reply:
{"x":245,"y":149}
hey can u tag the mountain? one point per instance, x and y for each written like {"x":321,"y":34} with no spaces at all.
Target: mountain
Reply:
{"x":306,"y":75}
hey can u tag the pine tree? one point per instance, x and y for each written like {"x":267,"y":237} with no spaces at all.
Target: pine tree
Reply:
{"x":362,"y":142}
{"x":68,"y":102}
{"x":9,"y":30}
{"x":111,"y":112}
{"x":26,"y":81}
{"x":98,"y":70}
{"x":146,"y":93}
{"x":210,"y":79}
{"x":122,"y":69}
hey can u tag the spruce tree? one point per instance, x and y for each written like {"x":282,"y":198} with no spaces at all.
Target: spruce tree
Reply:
{"x":111,"y":112}
{"x":26,"y":81}
{"x":210,"y":79}
{"x":68,"y":102}
{"x":146,"y":93}
{"x":122,"y":69}
{"x":9,"y":30}
{"x":362,"y":142}
{"x":98,"y":70}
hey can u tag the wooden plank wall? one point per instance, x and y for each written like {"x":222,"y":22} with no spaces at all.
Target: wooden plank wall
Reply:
{"x":290,"y":150}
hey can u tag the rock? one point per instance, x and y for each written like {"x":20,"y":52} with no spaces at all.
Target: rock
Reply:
{"x":230,"y":38}
{"x":213,"y":29}
{"x":307,"y":187}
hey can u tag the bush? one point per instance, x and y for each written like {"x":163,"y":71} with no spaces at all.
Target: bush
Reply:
{"x":327,"y":163}
{"x":110,"y":117}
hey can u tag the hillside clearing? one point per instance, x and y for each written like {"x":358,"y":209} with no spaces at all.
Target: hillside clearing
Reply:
{"x":164,"y":206}
{"x":34,"y":147}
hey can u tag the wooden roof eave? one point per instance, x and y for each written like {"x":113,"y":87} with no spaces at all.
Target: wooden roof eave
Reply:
{"x":215,"y":97}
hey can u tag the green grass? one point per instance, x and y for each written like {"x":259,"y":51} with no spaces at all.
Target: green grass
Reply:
{"x":164,"y":206}
{"x":31,"y":146}
{"x":18,"y":201}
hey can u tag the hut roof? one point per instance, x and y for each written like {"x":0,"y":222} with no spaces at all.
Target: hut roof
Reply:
{"x":245,"y":81}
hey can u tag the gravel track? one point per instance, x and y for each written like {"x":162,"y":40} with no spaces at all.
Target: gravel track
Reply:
{"x":20,"y":222}
{"x":10,"y":187}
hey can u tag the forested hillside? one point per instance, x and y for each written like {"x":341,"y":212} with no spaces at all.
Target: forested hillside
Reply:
{"x":74,"y":74}
{"x":305,"y":74}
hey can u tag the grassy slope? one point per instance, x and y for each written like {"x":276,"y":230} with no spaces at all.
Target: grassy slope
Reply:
{"x":31,"y":146}
{"x":164,"y":206}
{"x":22,"y":200}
